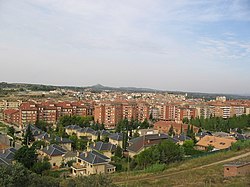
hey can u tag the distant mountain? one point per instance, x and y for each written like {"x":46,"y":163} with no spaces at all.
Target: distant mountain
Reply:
{"x":99,"y":88}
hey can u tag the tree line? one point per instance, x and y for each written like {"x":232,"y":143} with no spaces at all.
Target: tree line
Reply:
{"x":219,"y":124}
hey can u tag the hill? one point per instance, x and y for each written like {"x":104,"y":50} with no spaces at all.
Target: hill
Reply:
{"x":203,"y":171}
{"x":99,"y":88}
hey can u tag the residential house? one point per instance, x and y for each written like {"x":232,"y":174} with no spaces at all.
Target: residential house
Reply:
{"x":86,"y":131}
{"x":164,"y":126}
{"x":143,"y":132}
{"x":34,"y":130}
{"x":181,"y":138}
{"x":64,"y":142}
{"x":92,"y":162}
{"x":106,"y":149}
{"x":72,"y":129}
{"x":116,"y":139}
{"x":139,"y":144}
{"x":200,"y":135}
{"x":217,"y":143}
{"x":7,"y":155}
{"x":54,"y":153}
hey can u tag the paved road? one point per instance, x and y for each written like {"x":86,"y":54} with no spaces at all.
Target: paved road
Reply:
{"x":143,"y":178}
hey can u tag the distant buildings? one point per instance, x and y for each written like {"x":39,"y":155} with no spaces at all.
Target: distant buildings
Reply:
{"x":50,"y":112}
{"x":110,"y":113}
{"x":178,"y":128}
{"x":109,"y":108}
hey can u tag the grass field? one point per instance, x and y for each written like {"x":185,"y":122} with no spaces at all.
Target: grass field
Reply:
{"x":187,"y":173}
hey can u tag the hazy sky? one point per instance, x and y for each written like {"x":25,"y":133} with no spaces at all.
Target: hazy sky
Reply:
{"x":187,"y":45}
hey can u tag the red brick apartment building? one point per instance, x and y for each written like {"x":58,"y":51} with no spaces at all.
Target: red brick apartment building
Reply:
{"x":28,"y":113}
{"x":50,"y":112}
{"x":129,"y":110}
{"x":11,"y":116}
{"x":47,"y":112}
{"x":110,"y":113}
{"x":142,"y":111}
{"x":174,"y":112}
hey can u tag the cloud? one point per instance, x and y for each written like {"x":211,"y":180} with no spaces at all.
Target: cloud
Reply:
{"x":225,"y":48}
{"x":143,"y":36}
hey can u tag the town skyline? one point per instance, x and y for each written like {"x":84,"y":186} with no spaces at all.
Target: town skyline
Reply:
{"x":185,"y":45}
{"x":127,"y":88}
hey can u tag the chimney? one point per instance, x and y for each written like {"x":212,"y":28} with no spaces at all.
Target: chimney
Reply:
{"x":41,"y":147}
{"x":61,"y":139}
{"x":159,"y":134}
{"x":3,"y":151}
{"x":47,"y":147}
{"x":77,"y":153}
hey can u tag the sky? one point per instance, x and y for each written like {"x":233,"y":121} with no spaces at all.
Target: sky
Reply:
{"x":184,"y":45}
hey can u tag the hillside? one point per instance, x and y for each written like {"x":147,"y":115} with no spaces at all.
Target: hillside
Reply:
{"x":204,"y":171}
{"x":99,"y":88}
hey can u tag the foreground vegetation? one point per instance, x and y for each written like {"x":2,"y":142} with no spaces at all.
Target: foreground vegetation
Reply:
{"x":20,"y":176}
{"x":185,"y":173}
{"x":219,"y":124}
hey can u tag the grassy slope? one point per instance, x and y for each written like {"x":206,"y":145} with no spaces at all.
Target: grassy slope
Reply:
{"x":208,"y":176}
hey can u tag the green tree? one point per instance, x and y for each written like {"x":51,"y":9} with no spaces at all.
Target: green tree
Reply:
{"x":38,"y":144}
{"x":28,"y":137}
{"x":16,"y":175}
{"x":118,"y":152}
{"x":171,"y":131}
{"x":26,"y":156}
{"x":40,"y":166}
{"x":11,"y":131}
{"x":75,"y":141}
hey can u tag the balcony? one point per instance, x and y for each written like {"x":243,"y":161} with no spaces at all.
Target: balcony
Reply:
{"x":78,"y":166}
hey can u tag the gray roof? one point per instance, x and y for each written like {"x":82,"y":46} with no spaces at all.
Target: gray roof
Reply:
{"x":34,"y":130}
{"x":103,"y":146}
{"x":202,"y":134}
{"x":100,"y":155}
{"x":104,"y":133}
{"x":70,"y":154}
{"x":43,"y":136}
{"x":54,"y":150}
{"x":92,"y":158}
{"x":181,"y":137}
{"x":240,"y":136}
{"x":89,"y":130}
{"x":4,"y":161}
{"x":62,"y":140}
{"x":116,"y":136}
{"x":73,"y":127}
{"x":8,"y":154}
{"x":141,"y":142}
{"x":86,"y":130}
